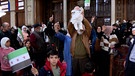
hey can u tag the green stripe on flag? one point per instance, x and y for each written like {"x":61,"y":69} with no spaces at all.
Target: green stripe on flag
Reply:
{"x":17,"y":52}
{"x":87,"y":1}
{"x":19,"y":30}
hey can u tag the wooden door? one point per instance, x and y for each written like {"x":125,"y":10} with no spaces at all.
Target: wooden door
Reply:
{"x":101,"y":9}
{"x":5,"y":18}
{"x":58,"y":12}
{"x":20,"y":18}
{"x":120,"y":10}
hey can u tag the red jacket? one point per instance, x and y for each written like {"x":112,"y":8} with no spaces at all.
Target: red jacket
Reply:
{"x":87,"y":74}
{"x":62,"y":67}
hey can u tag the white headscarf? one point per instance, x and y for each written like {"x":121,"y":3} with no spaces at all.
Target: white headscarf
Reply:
{"x":23,"y":28}
{"x":3,"y":42}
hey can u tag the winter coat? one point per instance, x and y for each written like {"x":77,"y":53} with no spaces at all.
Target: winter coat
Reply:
{"x":85,"y":34}
{"x":47,"y":70}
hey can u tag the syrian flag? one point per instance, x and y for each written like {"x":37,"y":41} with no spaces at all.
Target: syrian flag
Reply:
{"x":20,"y":35}
{"x":19,"y":59}
{"x":87,"y":4}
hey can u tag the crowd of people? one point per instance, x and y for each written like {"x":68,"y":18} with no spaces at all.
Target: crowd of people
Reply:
{"x":82,"y":50}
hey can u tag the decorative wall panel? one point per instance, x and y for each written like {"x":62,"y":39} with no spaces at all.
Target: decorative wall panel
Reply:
{"x":120,"y":10}
{"x":130,"y":9}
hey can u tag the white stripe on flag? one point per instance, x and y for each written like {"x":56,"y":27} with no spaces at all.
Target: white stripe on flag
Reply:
{"x":19,"y":34}
{"x":19,"y":59}
{"x":87,"y":4}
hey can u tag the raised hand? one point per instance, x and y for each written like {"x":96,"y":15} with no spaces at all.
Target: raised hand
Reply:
{"x":92,"y":19}
{"x":51,"y":18}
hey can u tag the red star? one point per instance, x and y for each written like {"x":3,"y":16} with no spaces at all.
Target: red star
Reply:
{"x":17,"y":59}
{"x":24,"y":57}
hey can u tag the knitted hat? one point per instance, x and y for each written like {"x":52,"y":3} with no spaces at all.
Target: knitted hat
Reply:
{"x":36,"y":25}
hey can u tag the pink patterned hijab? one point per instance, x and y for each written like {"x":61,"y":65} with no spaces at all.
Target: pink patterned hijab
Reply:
{"x":108,"y":30}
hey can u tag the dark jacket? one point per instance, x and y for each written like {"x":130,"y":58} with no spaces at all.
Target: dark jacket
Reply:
{"x":49,"y":31}
{"x":13,"y":38}
{"x":47,"y":70}
{"x":37,"y":42}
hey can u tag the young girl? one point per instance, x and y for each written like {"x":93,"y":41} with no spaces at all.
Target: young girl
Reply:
{"x":29,"y":48}
{"x":5,"y":49}
{"x":27,"y":71}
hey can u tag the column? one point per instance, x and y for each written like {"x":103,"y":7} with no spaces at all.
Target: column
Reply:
{"x":65,"y":14}
{"x":12,"y":13}
{"x":29,"y":12}
{"x":112,"y":12}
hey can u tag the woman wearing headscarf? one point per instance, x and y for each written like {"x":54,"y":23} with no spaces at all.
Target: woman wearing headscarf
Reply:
{"x":5,"y":49}
{"x":25,"y":33}
{"x":108,"y":41}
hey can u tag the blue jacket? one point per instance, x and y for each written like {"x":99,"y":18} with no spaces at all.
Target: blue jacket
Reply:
{"x":129,"y":64}
{"x":93,"y":38}
{"x":67,"y":54}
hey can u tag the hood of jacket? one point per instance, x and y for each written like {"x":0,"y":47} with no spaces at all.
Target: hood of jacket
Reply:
{"x":62,"y":67}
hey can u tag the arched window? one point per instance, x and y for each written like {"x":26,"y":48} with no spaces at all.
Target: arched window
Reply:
{"x":19,"y":4}
{"x":5,"y":5}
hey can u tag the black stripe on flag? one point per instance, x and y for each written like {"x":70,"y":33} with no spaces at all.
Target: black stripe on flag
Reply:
{"x":21,"y":65}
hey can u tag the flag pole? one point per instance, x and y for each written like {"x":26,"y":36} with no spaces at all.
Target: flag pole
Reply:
{"x":33,"y":67}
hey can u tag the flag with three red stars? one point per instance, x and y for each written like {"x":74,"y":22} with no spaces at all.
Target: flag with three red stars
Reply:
{"x":19,"y":59}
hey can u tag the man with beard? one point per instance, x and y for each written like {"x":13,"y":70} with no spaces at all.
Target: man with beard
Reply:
{"x":37,"y":42}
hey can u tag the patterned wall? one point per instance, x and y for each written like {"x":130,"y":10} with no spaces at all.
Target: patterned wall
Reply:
{"x":92,"y":11}
{"x":125,"y":9}
{"x":101,"y":9}
{"x":120,"y":10}
{"x":58,"y":11}
{"x":130,"y":9}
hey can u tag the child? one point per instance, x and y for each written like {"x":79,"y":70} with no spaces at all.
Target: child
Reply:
{"x":89,"y":69}
{"x":30,"y":49}
{"x":27,"y":70}
{"x":5,"y":49}
{"x":53,"y":66}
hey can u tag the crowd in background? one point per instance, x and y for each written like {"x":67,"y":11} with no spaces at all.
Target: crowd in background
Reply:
{"x":40,"y":38}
